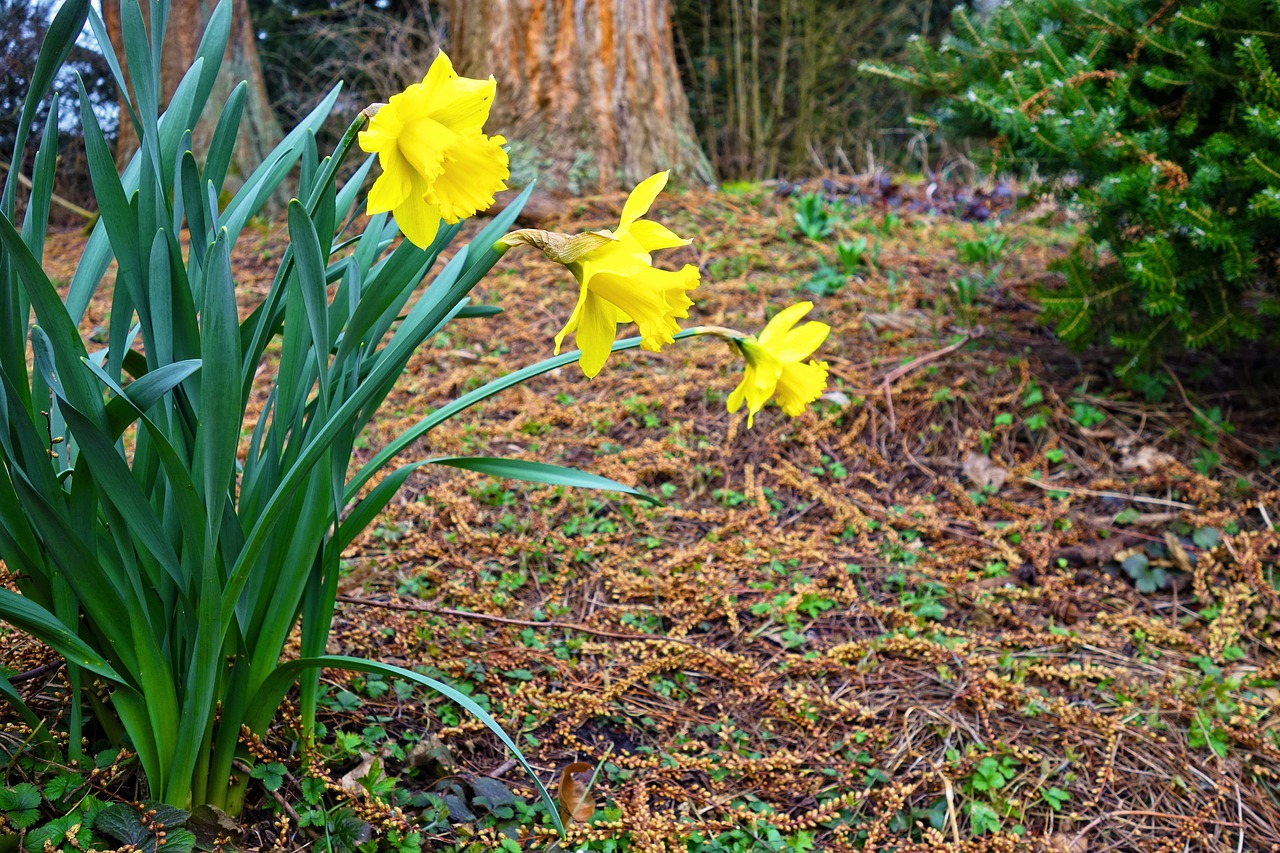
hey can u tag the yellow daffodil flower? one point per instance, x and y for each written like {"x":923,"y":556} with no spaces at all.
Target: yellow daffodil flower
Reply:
{"x":618,"y":282}
{"x":774,"y":364}
{"x":436,"y":161}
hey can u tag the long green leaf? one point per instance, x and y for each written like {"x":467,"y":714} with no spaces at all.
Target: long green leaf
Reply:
{"x":28,"y":716}
{"x":540,"y":472}
{"x":471,"y":398}
{"x":220,"y":411}
{"x":267,"y":700}
{"x":36,"y":221}
{"x":50,"y":311}
{"x":23,"y":613}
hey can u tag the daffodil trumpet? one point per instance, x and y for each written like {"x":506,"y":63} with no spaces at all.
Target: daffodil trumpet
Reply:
{"x":617,"y":281}
{"x":775,"y":364}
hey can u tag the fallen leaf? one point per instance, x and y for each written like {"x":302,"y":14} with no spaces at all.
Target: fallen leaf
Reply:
{"x":1176,"y":552}
{"x":576,"y":802}
{"x":1145,"y":459}
{"x":1066,"y":842}
{"x":982,"y":472}
{"x":350,"y":781}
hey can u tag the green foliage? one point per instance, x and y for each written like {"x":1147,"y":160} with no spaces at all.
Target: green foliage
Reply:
{"x":813,"y":218}
{"x":1161,"y":122}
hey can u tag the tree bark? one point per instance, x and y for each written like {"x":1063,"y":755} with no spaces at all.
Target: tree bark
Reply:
{"x":589,"y":95}
{"x":259,"y":129}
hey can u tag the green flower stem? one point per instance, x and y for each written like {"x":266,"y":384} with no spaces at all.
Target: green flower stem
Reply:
{"x":487,"y":390}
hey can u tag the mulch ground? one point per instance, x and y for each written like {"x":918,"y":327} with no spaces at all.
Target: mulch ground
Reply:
{"x":832,"y":629}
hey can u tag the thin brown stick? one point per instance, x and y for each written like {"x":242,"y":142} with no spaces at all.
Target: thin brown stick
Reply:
{"x":504,"y":620}
{"x":35,"y":673}
{"x":54,"y":197}
{"x":902,"y":370}
{"x":1142,"y":499}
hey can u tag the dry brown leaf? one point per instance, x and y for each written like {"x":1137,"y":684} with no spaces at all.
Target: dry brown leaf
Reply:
{"x":982,"y":472}
{"x":1066,"y":842}
{"x":576,"y":802}
{"x":1176,"y":552}
{"x":350,"y":780}
{"x":1145,"y":459}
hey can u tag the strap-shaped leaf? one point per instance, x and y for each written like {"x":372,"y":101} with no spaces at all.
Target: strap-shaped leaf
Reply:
{"x":116,"y":213}
{"x":267,"y":700}
{"x":219,"y":407}
{"x":24,"y":613}
{"x":28,"y":716}
{"x":36,"y":221}
{"x":144,"y":74}
{"x":143,"y":393}
{"x":471,"y":398}
{"x":223,"y":143}
{"x":310,"y":260}
{"x":113,"y":62}
{"x":67,"y":346}
{"x":425,"y":317}
{"x":540,"y":472}
{"x":109,"y":470}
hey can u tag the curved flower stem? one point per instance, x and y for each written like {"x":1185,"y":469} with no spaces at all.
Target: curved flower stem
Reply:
{"x":487,"y":390}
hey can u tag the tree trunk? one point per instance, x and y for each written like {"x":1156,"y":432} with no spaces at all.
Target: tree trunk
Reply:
{"x":589,"y":95}
{"x":259,"y":129}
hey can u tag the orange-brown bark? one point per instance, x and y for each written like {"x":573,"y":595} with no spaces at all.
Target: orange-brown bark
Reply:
{"x":588,"y":90}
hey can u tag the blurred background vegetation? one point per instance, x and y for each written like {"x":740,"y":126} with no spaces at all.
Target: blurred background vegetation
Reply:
{"x":773,"y":86}
{"x":774,"y":89}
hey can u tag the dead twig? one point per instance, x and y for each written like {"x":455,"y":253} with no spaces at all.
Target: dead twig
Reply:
{"x":902,"y":370}
{"x":504,"y":620}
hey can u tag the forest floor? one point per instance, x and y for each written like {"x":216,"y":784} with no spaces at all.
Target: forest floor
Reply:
{"x":981,"y":596}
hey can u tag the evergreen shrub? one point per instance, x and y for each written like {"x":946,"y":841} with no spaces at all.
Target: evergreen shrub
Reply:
{"x":1160,"y":121}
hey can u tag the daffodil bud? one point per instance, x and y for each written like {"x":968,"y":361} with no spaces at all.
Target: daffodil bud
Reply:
{"x":567,"y":249}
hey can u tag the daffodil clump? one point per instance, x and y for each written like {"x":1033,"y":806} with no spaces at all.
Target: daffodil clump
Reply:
{"x":135,"y":476}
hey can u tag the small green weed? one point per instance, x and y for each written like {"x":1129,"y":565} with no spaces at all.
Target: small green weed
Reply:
{"x":813,"y":218}
{"x":988,"y":248}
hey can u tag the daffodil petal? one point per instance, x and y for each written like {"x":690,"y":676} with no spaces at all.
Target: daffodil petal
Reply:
{"x":800,"y":384}
{"x":738,"y":395}
{"x":463,"y":104}
{"x":652,"y":298}
{"x":393,"y":186}
{"x":597,"y":327}
{"x":383,"y":130}
{"x":418,"y":220}
{"x":641,"y":198}
{"x":573,"y":318}
{"x":438,"y":77}
{"x":782,"y":322}
{"x":475,"y":168}
{"x":800,"y":343}
{"x":652,"y":236}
